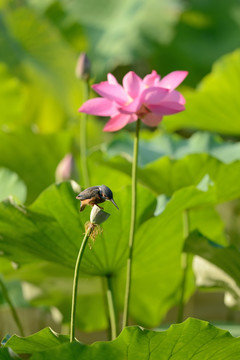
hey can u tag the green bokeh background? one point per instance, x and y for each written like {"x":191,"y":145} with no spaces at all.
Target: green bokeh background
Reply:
{"x":191,"y":162}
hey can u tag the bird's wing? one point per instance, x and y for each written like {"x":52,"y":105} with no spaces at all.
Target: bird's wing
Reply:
{"x":88,"y":193}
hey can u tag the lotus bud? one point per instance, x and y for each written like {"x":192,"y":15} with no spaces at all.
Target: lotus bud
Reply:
{"x":65,"y":168}
{"x":83,"y":67}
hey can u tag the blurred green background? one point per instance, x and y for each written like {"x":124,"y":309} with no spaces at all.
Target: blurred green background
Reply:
{"x":40,"y":42}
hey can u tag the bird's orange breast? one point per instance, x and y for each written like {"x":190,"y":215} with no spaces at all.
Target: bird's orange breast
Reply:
{"x":92,"y":201}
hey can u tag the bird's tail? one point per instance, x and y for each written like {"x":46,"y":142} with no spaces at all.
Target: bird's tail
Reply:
{"x":82,"y":207}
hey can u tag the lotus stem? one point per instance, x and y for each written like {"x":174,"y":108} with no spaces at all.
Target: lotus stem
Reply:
{"x":185,"y":265}
{"x":132,"y":226}
{"x":12,"y":308}
{"x":75,"y":282}
{"x":111,"y":308}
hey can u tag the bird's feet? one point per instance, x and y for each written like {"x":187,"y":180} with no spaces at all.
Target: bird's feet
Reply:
{"x":100,"y":207}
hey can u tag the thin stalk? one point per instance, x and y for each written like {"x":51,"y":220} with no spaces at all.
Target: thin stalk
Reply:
{"x":12,"y":308}
{"x":132,"y":226}
{"x":75,"y":283}
{"x":111,"y":308}
{"x":185,"y":265}
{"x":83,"y":138}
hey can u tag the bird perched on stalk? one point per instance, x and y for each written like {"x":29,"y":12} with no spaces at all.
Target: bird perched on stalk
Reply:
{"x":95,"y":195}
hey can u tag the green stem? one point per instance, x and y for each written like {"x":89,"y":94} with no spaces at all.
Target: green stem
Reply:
{"x":83,"y":138}
{"x":111,"y":308}
{"x":75,"y":283}
{"x":12,"y":308}
{"x":185,"y":264}
{"x":132,"y":226}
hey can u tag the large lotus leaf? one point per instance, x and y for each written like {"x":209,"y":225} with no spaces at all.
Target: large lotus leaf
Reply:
{"x":214,"y":106}
{"x":36,"y":229}
{"x":166,"y":175}
{"x":161,"y":144}
{"x":191,"y":170}
{"x":158,"y":248}
{"x":193,"y":339}
{"x":53,"y":222}
{"x":44,"y":339}
{"x":33,"y":157}
{"x":11,"y":185}
{"x":109,"y":254}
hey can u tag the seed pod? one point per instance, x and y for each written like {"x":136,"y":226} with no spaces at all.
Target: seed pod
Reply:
{"x":98,"y":216}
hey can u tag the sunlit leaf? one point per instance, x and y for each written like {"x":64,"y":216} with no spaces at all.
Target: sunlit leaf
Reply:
{"x":214,"y":106}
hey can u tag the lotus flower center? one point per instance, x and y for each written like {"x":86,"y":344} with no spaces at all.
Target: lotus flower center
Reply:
{"x":143,"y":111}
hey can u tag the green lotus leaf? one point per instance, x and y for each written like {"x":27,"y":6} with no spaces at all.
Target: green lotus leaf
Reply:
{"x":33,"y":157}
{"x":54,"y":222}
{"x":192,"y":339}
{"x":214,"y":106}
{"x":161,"y":144}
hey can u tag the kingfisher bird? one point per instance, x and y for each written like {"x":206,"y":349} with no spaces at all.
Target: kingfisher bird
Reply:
{"x":95,"y":195}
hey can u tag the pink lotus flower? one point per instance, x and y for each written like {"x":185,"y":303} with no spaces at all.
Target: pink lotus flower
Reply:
{"x":148,"y":99}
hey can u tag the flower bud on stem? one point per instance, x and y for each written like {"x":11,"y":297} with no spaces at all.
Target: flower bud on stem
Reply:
{"x":83,"y":67}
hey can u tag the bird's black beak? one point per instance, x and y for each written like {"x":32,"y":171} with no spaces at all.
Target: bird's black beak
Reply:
{"x":114,"y":203}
